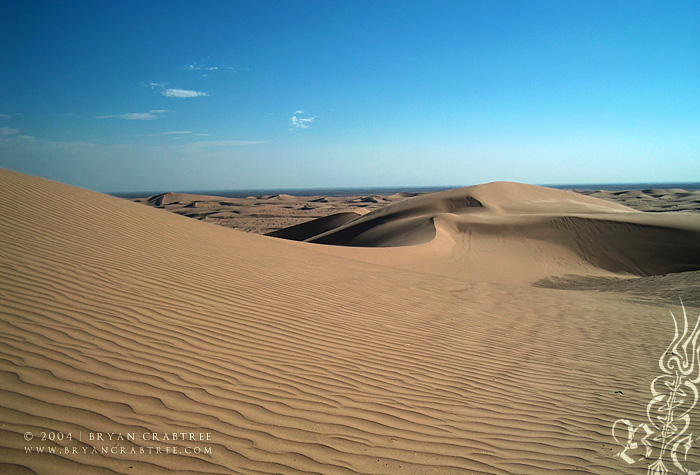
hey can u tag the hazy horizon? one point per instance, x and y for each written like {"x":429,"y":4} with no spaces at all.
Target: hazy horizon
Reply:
{"x":350,"y":191}
{"x":251,"y":95}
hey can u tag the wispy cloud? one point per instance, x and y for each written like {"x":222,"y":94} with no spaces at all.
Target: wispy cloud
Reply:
{"x":5,"y":131}
{"x":174,"y":91}
{"x":199,"y":67}
{"x":8,"y":133}
{"x":4,"y":116}
{"x":174,"y":133}
{"x":150,"y":115}
{"x":182,"y":93}
{"x":297,"y":122}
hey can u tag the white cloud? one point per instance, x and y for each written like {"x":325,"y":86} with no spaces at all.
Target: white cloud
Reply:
{"x":150,"y":115}
{"x":4,"y":116}
{"x":175,"y":92}
{"x":183,"y":93}
{"x":297,"y":122}
{"x":199,"y":67}
{"x":300,"y":122}
{"x":174,"y":132}
{"x":8,"y":131}
{"x":196,"y":67}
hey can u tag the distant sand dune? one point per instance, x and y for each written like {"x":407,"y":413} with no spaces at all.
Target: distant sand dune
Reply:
{"x":653,"y":200}
{"x":171,"y":198}
{"x":300,"y":358}
{"x":265,"y":214}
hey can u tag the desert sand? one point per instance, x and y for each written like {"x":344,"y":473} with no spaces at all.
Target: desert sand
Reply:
{"x":652,"y":199}
{"x":495,"y":329}
{"x":268,"y":213}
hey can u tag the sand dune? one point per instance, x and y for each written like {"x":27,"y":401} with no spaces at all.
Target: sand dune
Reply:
{"x":301,"y":358}
{"x":380,"y":227}
{"x":270,"y":213}
{"x":262,"y":214}
{"x":669,"y":288}
{"x":304,"y":231}
{"x":177,"y":198}
{"x":653,"y":199}
{"x":515,"y":233}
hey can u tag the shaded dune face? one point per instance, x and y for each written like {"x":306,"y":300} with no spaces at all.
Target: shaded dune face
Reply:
{"x":405,"y":223}
{"x":301,"y":232}
{"x":380,"y":232}
{"x":601,"y":234}
{"x":628,"y":247}
{"x":618,"y":246}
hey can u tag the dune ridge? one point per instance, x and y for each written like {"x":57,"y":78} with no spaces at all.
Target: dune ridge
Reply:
{"x":122,"y":318}
{"x":528,"y":232}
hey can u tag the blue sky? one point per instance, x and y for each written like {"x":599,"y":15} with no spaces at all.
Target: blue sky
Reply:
{"x":133,"y":96}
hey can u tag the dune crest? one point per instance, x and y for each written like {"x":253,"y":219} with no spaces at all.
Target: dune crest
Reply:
{"x":169,"y":198}
{"x":516,"y":233}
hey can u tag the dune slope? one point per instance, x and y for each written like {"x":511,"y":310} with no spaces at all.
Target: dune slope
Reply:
{"x":119,"y":318}
{"x":304,"y":231}
{"x":516,"y":233}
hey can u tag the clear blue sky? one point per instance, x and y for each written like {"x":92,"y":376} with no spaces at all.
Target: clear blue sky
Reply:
{"x":131,"y":96}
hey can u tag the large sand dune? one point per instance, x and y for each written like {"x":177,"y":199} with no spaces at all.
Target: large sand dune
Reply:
{"x":302,"y":358}
{"x":515,"y":233}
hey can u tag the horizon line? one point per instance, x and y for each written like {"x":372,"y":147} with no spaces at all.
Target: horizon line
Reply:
{"x":290,"y":190}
